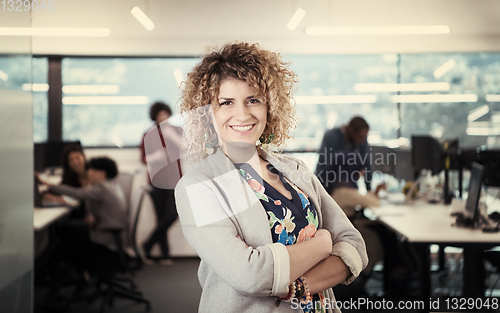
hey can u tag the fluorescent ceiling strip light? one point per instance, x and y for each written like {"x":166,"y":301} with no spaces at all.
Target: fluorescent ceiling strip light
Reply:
{"x":113,"y":100}
{"x":477,"y":113}
{"x":55,"y":32}
{"x":389,"y":87}
{"x":443,"y":69}
{"x":35,"y":87}
{"x":434,"y":98}
{"x":378,"y":30}
{"x":91,"y":89}
{"x":482,"y":131}
{"x":335,"y":99}
{"x":296,"y":18}
{"x":4,"y":76}
{"x":142,"y":18}
{"x":178,"y":76}
{"x":492,"y":98}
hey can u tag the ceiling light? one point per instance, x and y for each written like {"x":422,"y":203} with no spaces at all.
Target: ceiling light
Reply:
{"x":492,"y":98}
{"x":91,"y":89}
{"x":434,"y":98}
{"x":477,"y":113}
{"x":55,"y":32}
{"x":296,"y":18}
{"x":482,"y":131}
{"x":389,"y":87}
{"x":35,"y":87}
{"x":335,"y":99}
{"x":4,"y":76}
{"x":378,"y":30}
{"x":142,"y":18}
{"x":112,"y":100}
{"x":443,"y":69}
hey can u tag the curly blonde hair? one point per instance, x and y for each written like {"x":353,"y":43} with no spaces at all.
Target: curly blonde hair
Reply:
{"x":262,"y":69}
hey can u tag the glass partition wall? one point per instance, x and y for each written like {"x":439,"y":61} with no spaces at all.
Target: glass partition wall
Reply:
{"x":16,"y":167}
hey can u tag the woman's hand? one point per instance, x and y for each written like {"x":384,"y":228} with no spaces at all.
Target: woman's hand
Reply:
{"x":325,"y":237}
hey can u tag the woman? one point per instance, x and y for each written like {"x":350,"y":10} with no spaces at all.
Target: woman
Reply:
{"x":267,"y":233}
{"x":74,"y":175}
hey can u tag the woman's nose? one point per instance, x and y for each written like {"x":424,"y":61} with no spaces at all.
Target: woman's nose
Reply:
{"x":242,"y":112}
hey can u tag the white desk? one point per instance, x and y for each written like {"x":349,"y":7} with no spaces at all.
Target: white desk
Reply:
{"x":43,"y":217}
{"x":429,"y":223}
{"x":424,"y":224}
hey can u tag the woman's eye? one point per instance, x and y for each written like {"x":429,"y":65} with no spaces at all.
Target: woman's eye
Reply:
{"x":225,"y":103}
{"x":254,"y":101}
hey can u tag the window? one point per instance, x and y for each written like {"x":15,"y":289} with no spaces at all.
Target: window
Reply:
{"x":40,"y":103}
{"x":106,"y":100}
{"x":473,"y":81}
{"x":329,"y":94}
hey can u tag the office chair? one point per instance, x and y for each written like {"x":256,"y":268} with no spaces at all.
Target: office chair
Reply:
{"x":109,"y":284}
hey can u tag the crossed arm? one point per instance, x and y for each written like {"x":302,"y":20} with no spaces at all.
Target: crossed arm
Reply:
{"x":313,"y":260}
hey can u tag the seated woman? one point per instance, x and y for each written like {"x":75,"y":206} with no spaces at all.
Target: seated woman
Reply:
{"x":74,"y":174}
{"x":269,"y":236}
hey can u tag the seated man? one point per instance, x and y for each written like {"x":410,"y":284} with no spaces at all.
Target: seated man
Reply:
{"x":105,"y":203}
{"x":89,"y":237}
{"x":343,"y":183}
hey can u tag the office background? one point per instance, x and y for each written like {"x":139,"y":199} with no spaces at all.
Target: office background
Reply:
{"x":456,"y":72}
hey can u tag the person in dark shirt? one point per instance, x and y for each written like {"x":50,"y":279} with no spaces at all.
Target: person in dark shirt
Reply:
{"x":347,"y":139}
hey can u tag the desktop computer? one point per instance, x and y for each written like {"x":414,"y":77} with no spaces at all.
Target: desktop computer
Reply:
{"x":426,"y":153}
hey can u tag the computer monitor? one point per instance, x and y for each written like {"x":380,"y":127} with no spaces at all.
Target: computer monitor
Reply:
{"x":49,"y":154}
{"x":475,"y":184}
{"x":403,"y":168}
{"x":382,"y":159}
{"x":490,"y":159}
{"x":426,"y":153}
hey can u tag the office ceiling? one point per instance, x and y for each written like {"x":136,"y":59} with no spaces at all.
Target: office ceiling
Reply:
{"x":187,"y":27}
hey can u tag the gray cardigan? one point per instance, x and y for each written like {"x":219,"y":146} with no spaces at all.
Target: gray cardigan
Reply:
{"x":106,"y":202}
{"x":216,"y":205}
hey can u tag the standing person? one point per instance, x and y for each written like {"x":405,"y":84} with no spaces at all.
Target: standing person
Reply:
{"x":267,"y":233}
{"x":163,"y":198}
{"x":350,"y":138}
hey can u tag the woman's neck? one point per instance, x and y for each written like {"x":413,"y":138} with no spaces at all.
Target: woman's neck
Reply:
{"x":245,"y":153}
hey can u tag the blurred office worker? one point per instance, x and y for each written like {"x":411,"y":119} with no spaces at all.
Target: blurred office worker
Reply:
{"x":163,"y":198}
{"x":350,"y":138}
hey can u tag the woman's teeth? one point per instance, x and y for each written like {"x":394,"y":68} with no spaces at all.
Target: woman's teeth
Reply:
{"x":242,"y":128}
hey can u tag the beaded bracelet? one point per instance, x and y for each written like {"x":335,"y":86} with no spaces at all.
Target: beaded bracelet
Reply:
{"x":305,"y":289}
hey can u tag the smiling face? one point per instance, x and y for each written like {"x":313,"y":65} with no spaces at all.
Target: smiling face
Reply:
{"x":241,"y":115}
{"x":76,"y":162}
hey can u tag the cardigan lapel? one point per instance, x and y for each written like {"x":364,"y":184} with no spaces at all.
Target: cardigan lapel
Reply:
{"x":252,"y":224}
{"x":297,"y":175}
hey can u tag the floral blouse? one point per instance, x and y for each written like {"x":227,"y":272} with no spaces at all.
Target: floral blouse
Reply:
{"x":290,"y":220}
